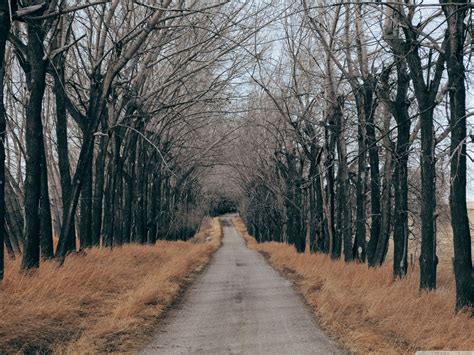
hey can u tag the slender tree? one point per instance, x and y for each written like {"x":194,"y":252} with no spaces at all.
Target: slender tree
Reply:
{"x":4,"y":30}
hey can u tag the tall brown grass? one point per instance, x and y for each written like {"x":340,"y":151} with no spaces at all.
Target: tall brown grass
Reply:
{"x":366,"y":310}
{"x":106,"y":300}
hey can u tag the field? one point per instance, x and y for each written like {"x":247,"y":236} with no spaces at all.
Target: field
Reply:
{"x":366,"y":310}
{"x":103,"y":301}
{"x":444,"y":241}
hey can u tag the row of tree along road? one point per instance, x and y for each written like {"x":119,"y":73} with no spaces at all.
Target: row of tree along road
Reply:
{"x":109,"y":117}
{"x":358,"y":128}
{"x":344,"y":121}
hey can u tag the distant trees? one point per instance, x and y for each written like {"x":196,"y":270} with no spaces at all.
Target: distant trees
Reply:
{"x":353,"y":97}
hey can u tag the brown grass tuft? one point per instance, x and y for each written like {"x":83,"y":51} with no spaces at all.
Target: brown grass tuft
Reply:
{"x":107,"y":300}
{"x":366,"y":310}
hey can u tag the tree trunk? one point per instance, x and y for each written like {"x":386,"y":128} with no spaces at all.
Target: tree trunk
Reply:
{"x":85,"y":225}
{"x":386,"y":210}
{"x":313,"y":217}
{"x":332,"y":138}
{"x":344,"y":225}
{"x":320,"y":231}
{"x":359,"y":248}
{"x":34,"y":146}
{"x":400,"y":178}
{"x":428,"y":258}
{"x":14,"y":216}
{"x":108,"y":203}
{"x":129,"y":188}
{"x":47,"y":250}
{"x":62,"y":146}
{"x":463,"y":271}
{"x":140,"y":235}
{"x":374,"y":174}
{"x":118,"y":185}
{"x":154,"y":182}
{"x":4,"y":30}
{"x":99,"y":182}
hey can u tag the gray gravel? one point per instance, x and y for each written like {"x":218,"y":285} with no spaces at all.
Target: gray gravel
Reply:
{"x":240,"y":305}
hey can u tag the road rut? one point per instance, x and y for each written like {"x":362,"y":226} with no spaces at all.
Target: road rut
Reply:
{"x":240,"y":305}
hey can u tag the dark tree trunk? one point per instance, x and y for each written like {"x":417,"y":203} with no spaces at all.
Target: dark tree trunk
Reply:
{"x":46,"y":243}
{"x":154,"y":201}
{"x":62,"y":128}
{"x":4,"y":30}
{"x":359,"y":247}
{"x":344,"y":201}
{"x":300,"y":240}
{"x":313,"y":217}
{"x":399,"y":111}
{"x":320,"y":231}
{"x":463,"y":270}
{"x":34,"y":145}
{"x":166,"y":206}
{"x":144,"y":204}
{"x":129,"y":188}
{"x":14,"y":216}
{"x":295,"y":230}
{"x":386,"y":202}
{"x":375,"y":226}
{"x":62,"y":146}
{"x":138,"y":209}
{"x":428,"y":258}
{"x":108,"y":204}
{"x":85,"y":225}
{"x":118,"y":185}
{"x":332,"y":133}
{"x":99,"y":182}
{"x":157,"y":197}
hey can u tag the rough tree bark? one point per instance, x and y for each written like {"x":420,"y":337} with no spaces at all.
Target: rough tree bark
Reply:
{"x":99,"y":183}
{"x":36,"y":75}
{"x":4,"y":30}
{"x":62,"y":136}
{"x":463,"y":270}
{"x":85,"y":222}
{"x":399,"y":111}
{"x":376,"y":216}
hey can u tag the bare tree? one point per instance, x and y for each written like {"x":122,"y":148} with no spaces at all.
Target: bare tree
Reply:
{"x":456,"y":34}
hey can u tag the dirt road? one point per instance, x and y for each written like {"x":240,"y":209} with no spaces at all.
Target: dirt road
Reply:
{"x":240,"y":305}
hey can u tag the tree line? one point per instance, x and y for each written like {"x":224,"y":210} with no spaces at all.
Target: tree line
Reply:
{"x":357,"y":126}
{"x":110,"y":115}
{"x":348,"y":124}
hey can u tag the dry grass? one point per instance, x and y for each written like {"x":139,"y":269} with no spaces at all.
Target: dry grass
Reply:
{"x":368,"y":312}
{"x":101,"y":302}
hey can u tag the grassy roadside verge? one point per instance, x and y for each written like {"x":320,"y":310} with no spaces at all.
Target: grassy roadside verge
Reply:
{"x":107,"y":300}
{"x":365,"y":310}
